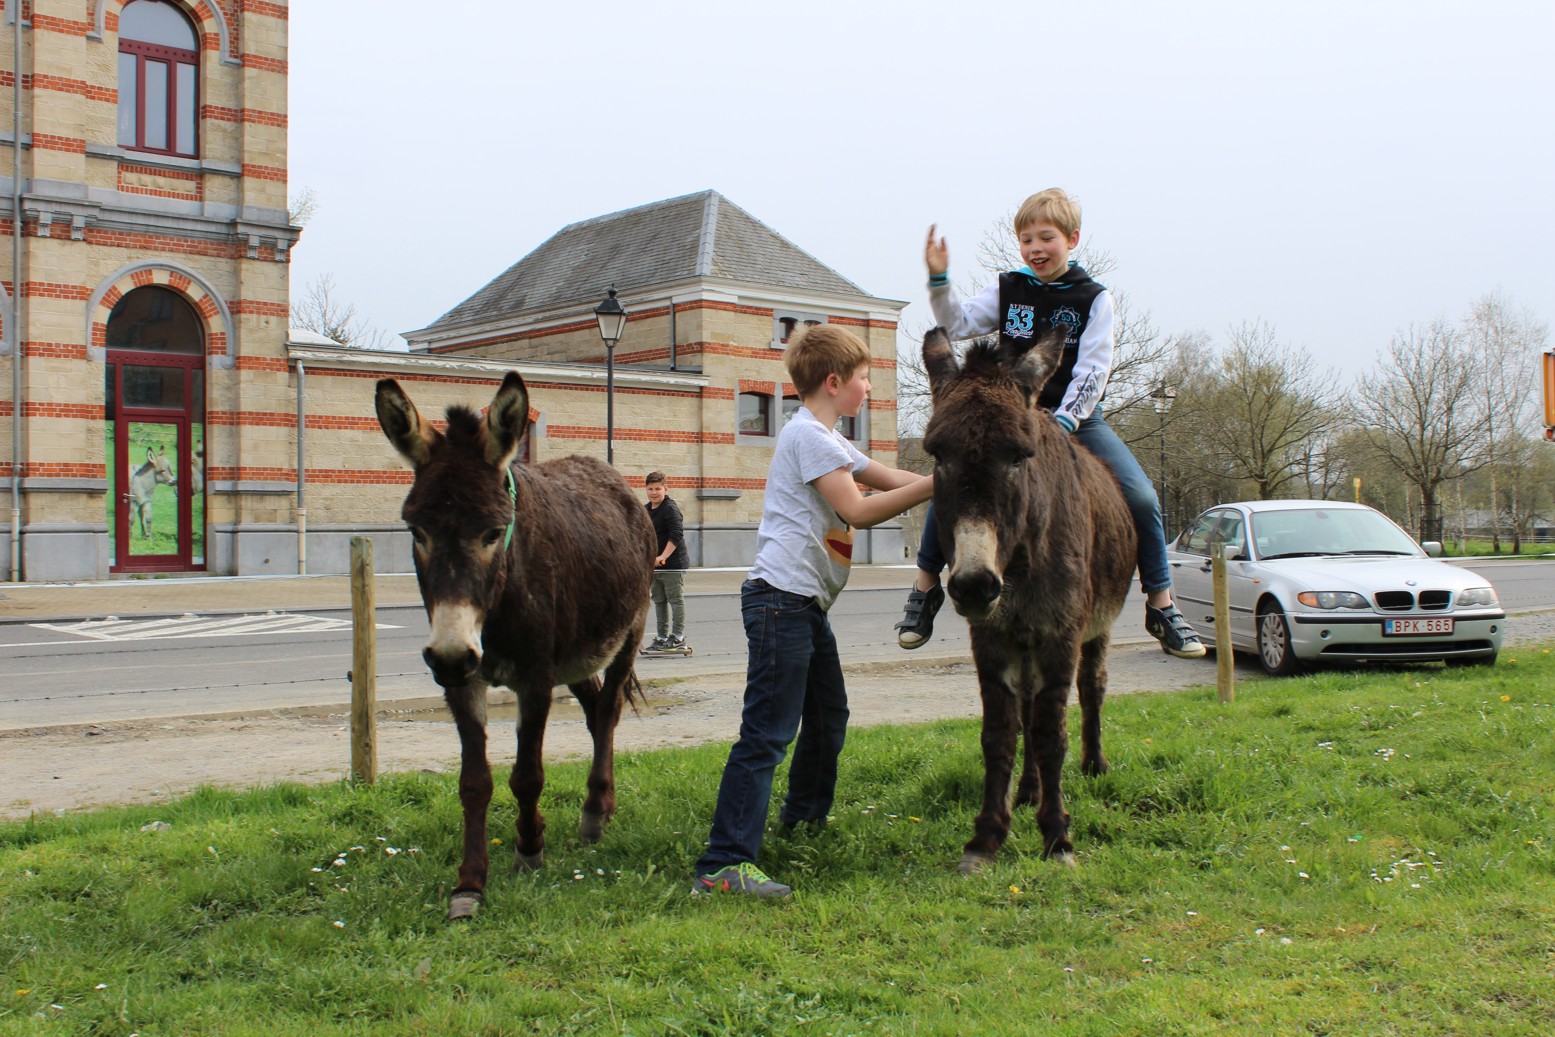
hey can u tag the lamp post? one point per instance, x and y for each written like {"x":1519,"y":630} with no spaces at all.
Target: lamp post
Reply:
{"x":1162,"y":397}
{"x":612,"y":321}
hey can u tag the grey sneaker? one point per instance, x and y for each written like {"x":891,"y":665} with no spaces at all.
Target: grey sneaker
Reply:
{"x":740,"y":878}
{"x":674,"y":641}
{"x":917,"y":624}
{"x":659,"y":644}
{"x":1171,"y":628}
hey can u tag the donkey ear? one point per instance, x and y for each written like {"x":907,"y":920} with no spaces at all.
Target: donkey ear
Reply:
{"x":399,"y":420}
{"x":1032,"y":370}
{"x":939,"y":360}
{"x":507,"y":421}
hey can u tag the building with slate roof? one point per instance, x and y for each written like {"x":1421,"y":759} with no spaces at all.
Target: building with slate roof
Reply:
{"x":714,"y":295}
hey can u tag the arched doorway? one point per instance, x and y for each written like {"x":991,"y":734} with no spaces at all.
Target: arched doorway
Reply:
{"x":155,"y":438}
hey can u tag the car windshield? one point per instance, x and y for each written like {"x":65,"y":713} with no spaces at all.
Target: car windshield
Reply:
{"x":1327,"y":531}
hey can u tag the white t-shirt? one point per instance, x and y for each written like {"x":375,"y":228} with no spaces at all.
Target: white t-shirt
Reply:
{"x":803,"y":546}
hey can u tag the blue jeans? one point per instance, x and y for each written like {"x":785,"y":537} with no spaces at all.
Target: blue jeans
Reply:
{"x":793,"y":685}
{"x":1096,"y":436}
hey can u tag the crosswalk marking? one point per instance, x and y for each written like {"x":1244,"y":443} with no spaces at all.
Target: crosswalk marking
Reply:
{"x":191,"y":626}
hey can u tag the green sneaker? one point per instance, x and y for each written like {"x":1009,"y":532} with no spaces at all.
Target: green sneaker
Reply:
{"x":740,"y":878}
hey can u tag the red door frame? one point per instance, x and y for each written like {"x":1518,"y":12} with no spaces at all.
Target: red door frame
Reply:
{"x":182,"y":419}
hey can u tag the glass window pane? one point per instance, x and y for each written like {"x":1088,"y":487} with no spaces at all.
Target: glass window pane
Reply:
{"x":197,"y":489}
{"x":791,"y":407}
{"x":187,"y":106}
{"x":753,"y":414}
{"x":127,"y":100}
{"x":153,"y":387}
{"x":153,"y":21}
{"x":155,"y":135}
{"x":157,"y":319}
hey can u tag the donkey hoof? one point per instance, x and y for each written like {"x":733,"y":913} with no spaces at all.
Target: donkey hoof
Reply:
{"x":591,"y":829}
{"x":972,"y":863}
{"x":1064,"y":857}
{"x":1093,"y":768}
{"x":528,"y":861}
{"x":463,"y":905}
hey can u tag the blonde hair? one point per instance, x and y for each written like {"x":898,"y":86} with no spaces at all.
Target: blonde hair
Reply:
{"x":1051,"y":206}
{"x":821,"y":350}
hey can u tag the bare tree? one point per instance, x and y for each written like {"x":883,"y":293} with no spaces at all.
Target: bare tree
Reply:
{"x":1505,"y":345}
{"x":321,"y":310}
{"x":1420,"y":409}
{"x":301,"y":208}
{"x":1267,"y":412}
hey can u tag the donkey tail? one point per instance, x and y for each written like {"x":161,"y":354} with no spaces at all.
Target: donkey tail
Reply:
{"x":632,"y":691}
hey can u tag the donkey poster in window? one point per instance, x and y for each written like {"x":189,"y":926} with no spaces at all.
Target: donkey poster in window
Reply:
{"x":143,"y":486}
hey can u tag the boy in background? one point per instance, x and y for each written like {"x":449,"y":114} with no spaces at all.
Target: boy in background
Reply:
{"x":669,"y":574}
{"x":804,"y":548}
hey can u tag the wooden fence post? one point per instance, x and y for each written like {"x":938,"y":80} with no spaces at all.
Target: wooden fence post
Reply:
{"x":364,"y":664}
{"x":1225,"y":660}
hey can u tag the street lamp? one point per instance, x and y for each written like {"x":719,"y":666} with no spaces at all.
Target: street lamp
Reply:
{"x":1162,"y":397}
{"x":612,"y":321}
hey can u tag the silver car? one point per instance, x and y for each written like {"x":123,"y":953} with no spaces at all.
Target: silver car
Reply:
{"x":1325,"y":581}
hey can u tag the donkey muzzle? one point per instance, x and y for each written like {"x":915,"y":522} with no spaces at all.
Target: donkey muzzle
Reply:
{"x":975,"y":585}
{"x":453,"y":651}
{"x":975,"y":591}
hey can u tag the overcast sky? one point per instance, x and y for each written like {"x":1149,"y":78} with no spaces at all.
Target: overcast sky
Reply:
{"x":1337,"y":169}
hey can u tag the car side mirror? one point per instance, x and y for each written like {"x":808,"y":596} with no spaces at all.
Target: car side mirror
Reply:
{"x":1432,"y":548}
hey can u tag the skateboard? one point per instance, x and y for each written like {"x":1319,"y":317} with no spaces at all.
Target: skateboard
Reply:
{"x":648,"y":649}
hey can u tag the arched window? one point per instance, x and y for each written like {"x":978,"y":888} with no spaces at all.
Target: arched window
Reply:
{"x":159,"y":74}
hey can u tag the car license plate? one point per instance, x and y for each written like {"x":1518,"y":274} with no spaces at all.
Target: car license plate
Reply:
{"x":1405,"y":627}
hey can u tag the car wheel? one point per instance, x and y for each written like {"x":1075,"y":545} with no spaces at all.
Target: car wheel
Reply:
{"x":1477,"y":660}
{"x":1274,"y":649}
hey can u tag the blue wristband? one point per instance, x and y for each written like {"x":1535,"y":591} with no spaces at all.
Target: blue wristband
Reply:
{"x":939,"y":280}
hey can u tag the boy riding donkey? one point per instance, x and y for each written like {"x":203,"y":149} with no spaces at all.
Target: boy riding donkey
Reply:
{"x":1052,"y":291}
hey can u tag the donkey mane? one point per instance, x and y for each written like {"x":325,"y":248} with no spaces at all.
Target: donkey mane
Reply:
{"x":464,"y":425}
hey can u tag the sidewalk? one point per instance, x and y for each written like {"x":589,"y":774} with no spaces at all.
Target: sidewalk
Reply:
{"x":213,"y":595}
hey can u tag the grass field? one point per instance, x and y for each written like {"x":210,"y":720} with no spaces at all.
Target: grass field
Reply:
{"x":1338,"y":854}
{"x":1484,"y":549}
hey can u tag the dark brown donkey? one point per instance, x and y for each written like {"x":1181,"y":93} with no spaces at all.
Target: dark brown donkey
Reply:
{"x":532,"y":576}
{"x":1041,"y":550}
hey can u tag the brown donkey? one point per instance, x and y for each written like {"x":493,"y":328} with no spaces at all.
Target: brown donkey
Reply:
{"x":1041,"y":550}
{"x":532,"y":576}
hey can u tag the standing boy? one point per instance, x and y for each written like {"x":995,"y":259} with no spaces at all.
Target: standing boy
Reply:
{"x":1053,"y":291}
{"x":804,"y":549}
{"x":669,"y":574}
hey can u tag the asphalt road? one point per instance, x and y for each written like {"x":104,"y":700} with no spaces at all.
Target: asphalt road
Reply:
{"x":234,"y":662}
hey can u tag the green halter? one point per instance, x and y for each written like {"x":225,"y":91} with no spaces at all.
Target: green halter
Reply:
{"x":507,"y":537}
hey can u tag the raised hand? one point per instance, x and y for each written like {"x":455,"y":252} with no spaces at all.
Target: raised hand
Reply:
{"x":936,"y":255}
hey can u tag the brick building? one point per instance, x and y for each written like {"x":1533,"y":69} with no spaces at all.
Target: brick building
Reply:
{"x":145,"y":282}
{"x":157,"y":416}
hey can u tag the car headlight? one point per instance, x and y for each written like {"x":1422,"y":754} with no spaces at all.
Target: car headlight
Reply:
{"x":1477,"y":596}
{"x":1332,"y":600}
